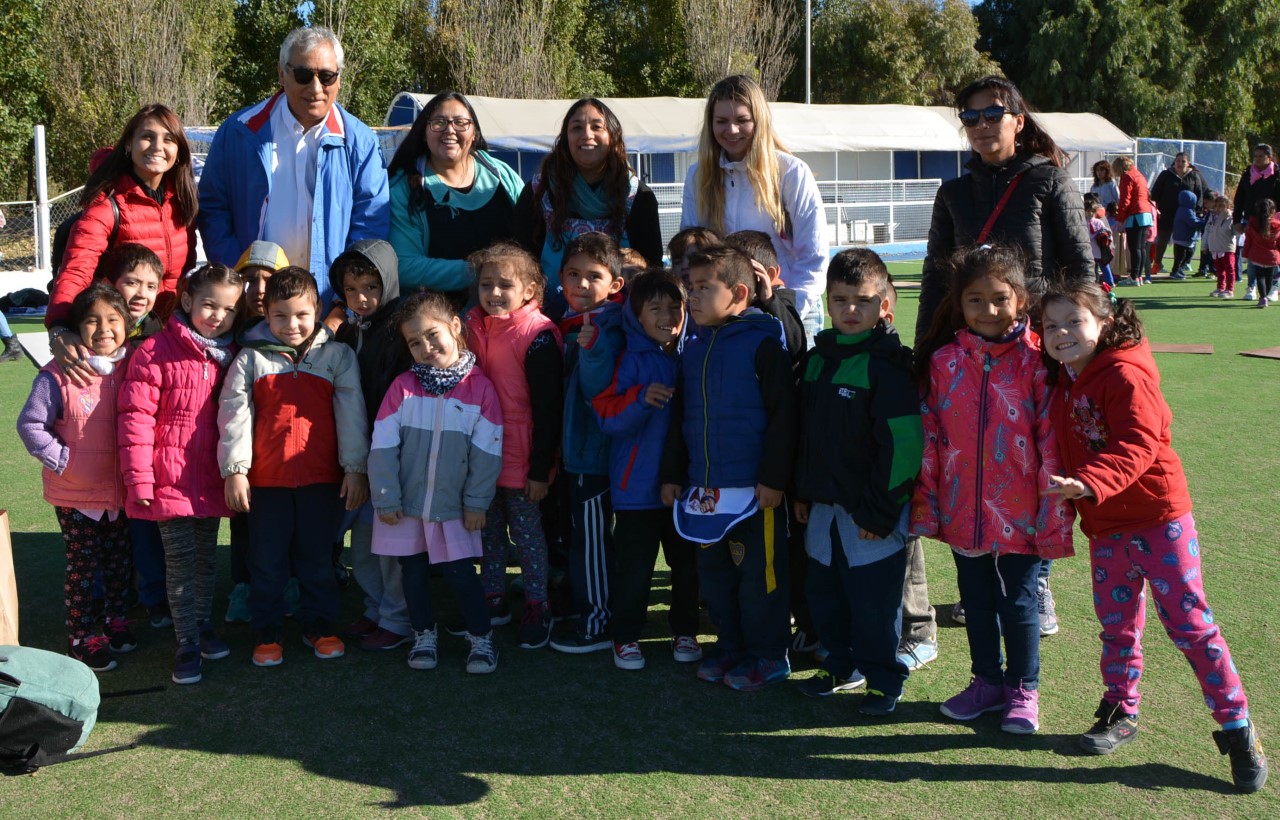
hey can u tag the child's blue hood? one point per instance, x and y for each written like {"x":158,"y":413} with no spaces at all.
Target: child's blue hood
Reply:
{"x":1188,"y":199}
{"x":638,"y":341}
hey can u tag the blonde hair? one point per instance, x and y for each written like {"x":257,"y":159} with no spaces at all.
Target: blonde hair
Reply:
{"x":1121,"y":165}
{"x":761,"y":159}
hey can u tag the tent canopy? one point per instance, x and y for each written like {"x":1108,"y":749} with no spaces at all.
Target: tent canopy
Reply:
{"x":661,"y":125}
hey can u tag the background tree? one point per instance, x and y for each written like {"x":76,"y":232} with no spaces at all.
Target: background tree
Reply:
{"x":724,"y":37}
{"x":260,"y":28}
{"x":22,"y":105}
{"x":912,"y":52}
{"x":647,"y":55}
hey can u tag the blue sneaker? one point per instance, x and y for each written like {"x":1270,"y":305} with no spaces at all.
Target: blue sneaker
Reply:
{"x":878,"y":704}
{"x":915,"y":654}
{"x":716,"y":665}
{"x":238,"y":605}
{"x":212,"y":647}
{"x":186,"y":665}
{"x":754,"y":674}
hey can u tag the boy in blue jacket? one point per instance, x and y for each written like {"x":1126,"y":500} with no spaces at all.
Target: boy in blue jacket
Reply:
{"x":591,"y":278}
{"x":726,"y":465}
{"x":1187,"y":226}
{"x":860,"y":447}
{"x":634,"y":410}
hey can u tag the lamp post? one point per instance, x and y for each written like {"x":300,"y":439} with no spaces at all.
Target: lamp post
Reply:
{"x":808,"y":50}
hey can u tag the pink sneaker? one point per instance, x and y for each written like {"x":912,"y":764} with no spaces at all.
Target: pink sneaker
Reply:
{"x":1021,"y":711}
{"x":978,"y":698}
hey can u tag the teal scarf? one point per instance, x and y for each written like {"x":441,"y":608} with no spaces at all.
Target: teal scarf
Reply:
{"x":590,"y":201}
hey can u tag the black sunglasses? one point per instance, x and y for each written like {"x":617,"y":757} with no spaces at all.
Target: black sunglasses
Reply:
{"x":992,"y":114}
{"x":303,"y":75}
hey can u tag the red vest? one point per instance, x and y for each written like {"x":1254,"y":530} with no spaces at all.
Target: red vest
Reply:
{"x":500,"y":344}
{"x":88,"y":428}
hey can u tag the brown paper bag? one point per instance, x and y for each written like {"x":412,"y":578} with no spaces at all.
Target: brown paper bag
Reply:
{"x":8,"y":586}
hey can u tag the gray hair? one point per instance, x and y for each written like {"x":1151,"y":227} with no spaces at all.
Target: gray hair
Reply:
{"x":306,"y":39}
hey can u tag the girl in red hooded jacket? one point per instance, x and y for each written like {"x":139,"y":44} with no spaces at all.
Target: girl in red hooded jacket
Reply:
{"x":988,"y":451}
{"x":168,"y":433}
{"x":1129,"y":489}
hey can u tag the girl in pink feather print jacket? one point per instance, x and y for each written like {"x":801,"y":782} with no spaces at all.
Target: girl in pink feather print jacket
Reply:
{"x":988,"y":451}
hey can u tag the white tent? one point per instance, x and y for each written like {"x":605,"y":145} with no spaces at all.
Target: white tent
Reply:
{"x":663,"y":125}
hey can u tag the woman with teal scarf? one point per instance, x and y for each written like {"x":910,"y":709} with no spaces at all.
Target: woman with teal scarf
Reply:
{"x":449,"y":198}
{"x":585,"y":185}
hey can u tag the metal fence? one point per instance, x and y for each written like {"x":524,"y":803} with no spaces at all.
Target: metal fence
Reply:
{"x":20,"y":237}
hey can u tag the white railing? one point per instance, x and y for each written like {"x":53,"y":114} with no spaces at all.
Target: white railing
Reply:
{"x":20,"y":236}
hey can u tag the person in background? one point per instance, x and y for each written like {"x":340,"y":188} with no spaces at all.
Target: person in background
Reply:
{"x":1133,"y":211}
{"x":1166,"y":193}
{"x":1220,"y":243}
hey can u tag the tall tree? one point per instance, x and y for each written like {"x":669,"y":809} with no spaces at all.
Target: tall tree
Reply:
{"x":260,"y":28}
{"x":21,"y":104}
{"x":914,"y":52}
{"x":126,"y":53}
{"x":754,"y":37}
{"x":647,"y":57}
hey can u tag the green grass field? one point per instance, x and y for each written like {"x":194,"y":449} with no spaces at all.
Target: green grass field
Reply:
{"x":553,"y":735}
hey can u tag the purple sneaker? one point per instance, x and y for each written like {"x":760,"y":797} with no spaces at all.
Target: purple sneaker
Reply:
{"x":754,"y":674}
{"x":1021,"y":711}
{"x":977,"y":698}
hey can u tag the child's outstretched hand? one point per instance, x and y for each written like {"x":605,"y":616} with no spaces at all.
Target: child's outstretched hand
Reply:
{"x":670,"y":492}
{"x":472,"y":520}
{"x":587,"y":334}
{"x":355,"y":489}
{"x":658,"y":395}
{"x":1068,"y":488}
{"x":536,"y":490}
{"x":391,"y":518}
{"x":237,"y":492}
{"x":801,"y":509}
{"x":768,"y":497}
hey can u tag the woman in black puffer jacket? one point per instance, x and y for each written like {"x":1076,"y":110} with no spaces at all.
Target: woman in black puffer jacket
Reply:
{"x":1044,"y":216}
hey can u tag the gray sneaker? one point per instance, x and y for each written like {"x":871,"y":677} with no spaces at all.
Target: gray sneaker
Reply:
{"x":423,"y":653}
{"x":484,"y":655}
{"x":1048,"y":615}
{"x":957,"y":613}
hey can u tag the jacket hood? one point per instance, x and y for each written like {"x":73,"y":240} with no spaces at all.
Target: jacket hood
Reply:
{"x":1138,"y":356}
{"x":638,"y":341}
{"x":1188,"y":199}
{"x":976,"y":345}
{"x":380,"y":254}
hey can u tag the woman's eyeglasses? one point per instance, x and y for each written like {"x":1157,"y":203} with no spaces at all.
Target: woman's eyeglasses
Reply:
{"x":441,"y":123}
{"x":303,"y":75}
{"x":992,"y":114}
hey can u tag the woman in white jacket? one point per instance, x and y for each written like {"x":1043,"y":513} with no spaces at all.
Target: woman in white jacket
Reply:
{"x":746,"y":180}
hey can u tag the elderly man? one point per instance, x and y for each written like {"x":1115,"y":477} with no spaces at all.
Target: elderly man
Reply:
{"x":296,"y":169}
{"x":1164,"y":193}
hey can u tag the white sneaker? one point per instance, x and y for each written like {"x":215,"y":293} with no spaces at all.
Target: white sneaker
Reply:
{"x":484,"y":655}
{"x":1273,"y":295}
{"x":423,"y":653}
{"x":1251,"y":294}
{"x":685,"y":649}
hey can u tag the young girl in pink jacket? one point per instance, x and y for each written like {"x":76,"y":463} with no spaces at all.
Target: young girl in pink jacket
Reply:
{"x":988,"y":451}
{"x":71,"y":430}
{"x":168,"y":433}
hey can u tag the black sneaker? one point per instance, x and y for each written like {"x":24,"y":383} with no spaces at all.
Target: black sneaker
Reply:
{"x":824,"y":684}
{"x":94,"y":652}
{"x":878,"y":704}
{"x":160,"y":616}
{"x":535,"y":626}
{"x":804,"y":642}
{"x":499,"y":615}
{"x":578,"y":643}
{"x":1113,"y":729}
{"x":1248,"y":763}
{"x":120,"y":636}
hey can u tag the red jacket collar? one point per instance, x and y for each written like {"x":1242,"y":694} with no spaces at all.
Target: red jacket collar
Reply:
{"x":256,"y":118}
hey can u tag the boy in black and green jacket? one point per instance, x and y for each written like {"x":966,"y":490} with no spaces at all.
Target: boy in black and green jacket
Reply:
{"x":861,"y":442}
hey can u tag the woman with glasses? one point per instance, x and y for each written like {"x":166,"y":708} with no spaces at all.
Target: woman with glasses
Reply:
{"x":745,"y":179}
{"x":585,"y":184}
{"x":449,"y":198}
{"x":1016,"y":189}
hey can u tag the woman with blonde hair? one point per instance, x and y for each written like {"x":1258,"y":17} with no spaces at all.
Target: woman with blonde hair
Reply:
{"x":745,"y":179}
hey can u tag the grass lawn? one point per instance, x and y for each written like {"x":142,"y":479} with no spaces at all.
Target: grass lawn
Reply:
{"x":555,"y":735}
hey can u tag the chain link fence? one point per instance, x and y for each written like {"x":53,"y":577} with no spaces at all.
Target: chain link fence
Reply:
{"x":19,"y":237}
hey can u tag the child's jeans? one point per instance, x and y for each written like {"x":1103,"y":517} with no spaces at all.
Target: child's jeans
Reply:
{"x":1104,"y":272}
{"x":1224,"y":265}
{"x":1182,"y":255}
{"x":743,"y":578}
{"x":1168,"y":558}
{"x":1258,"y":274}
{"x":999,"y":596}
{"x":93,"y":547}
{"x":636,"y":539}
{"x":858,"y":612}
{"x":293,"y":525}
{"x":148,"y":560}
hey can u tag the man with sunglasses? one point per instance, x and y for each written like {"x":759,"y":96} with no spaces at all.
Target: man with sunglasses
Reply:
{"x":296,"y":169}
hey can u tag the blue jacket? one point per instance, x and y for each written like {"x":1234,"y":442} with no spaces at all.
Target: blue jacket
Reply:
{"x":637,"y":430}
{"x":588,"y":371}
{"x":351,"y":200}
{"x":1186,"y":225}
{"x":737,"y":408}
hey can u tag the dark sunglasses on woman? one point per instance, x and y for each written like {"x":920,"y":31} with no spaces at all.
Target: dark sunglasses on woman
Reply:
{"x":303,"y":75}
{"x":992,"y":114}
